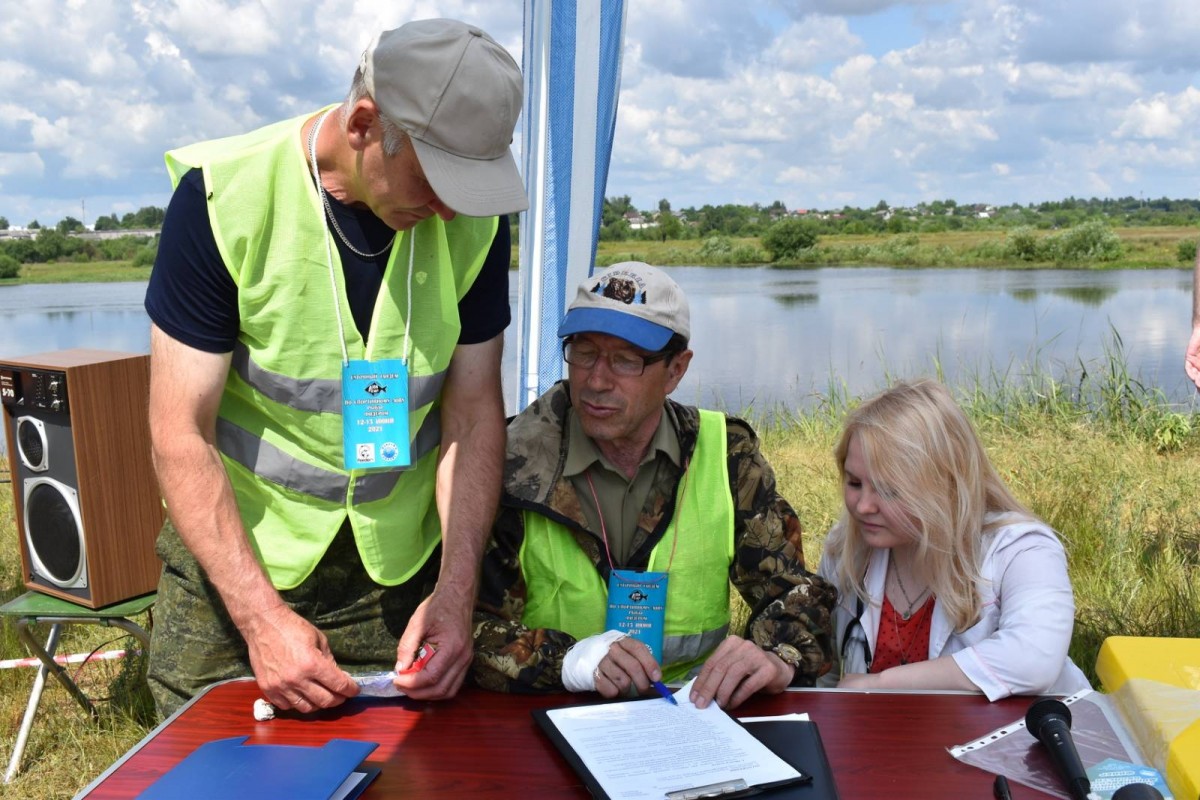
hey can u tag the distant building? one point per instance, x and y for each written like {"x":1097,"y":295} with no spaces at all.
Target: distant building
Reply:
{"x":87,"y":235}
{"x":637,"y":221}
{"x":99,"y":236}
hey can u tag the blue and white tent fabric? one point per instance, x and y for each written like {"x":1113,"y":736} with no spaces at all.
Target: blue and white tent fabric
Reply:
{"x":572,"y":55}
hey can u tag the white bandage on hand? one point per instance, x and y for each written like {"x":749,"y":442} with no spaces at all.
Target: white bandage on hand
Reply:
{"x":583,"y":659}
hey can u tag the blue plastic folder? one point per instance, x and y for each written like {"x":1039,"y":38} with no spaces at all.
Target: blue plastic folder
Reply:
{"x":227,"y":768}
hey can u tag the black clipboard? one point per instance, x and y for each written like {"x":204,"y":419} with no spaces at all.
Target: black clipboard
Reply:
{"x":798,"y":742}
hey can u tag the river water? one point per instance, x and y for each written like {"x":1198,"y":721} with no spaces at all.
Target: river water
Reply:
{"x":766,"y":338}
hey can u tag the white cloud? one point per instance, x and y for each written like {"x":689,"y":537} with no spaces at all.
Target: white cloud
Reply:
{"x":804,"y":45}
{"x":860,"y":136}
{"x":26,"y":165}
{"x":1150,"y":119}
{"x":979,"y":100}
{"x":1162,"y":116}
{"x":215,"y":28}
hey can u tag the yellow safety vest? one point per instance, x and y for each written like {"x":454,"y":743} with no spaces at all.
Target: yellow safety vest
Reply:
{"x":279,"y":427}
{"x":565,"y":592}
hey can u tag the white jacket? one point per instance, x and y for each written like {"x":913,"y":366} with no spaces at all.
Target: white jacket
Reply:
{"x":1019,"y":646}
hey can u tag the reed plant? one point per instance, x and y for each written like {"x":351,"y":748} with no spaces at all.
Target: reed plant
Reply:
{"x":1103,"y":459}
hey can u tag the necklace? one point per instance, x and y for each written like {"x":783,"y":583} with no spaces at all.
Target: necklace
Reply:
{"x":907,"y":614}
{"x":312,"y":141}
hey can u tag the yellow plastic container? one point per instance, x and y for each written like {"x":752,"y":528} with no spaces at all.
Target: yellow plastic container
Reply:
{"x":1156,"y":684}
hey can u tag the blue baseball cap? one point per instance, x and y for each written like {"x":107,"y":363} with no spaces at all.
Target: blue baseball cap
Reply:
{"x":632,"y":301}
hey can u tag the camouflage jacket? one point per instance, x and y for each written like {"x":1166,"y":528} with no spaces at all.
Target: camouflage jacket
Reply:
{"x":787,"y":602}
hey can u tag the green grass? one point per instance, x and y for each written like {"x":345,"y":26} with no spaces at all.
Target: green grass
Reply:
{"x":1108,"y":463}
{"x":70,"y":272}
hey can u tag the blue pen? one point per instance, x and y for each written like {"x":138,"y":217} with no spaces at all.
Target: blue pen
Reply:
{"x":665,"y":692}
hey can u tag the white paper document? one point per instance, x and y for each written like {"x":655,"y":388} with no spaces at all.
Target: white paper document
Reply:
{"x":643,"y":749}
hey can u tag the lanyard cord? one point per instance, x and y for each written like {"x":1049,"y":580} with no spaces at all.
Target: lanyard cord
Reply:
{"x":337,"y":306}
{"x":604,"y":531}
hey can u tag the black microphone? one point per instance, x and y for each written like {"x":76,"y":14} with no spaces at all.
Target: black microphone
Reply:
{"x":1049,"y":721}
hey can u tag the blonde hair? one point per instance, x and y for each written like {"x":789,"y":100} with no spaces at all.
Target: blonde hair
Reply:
{"x":919,"y":447}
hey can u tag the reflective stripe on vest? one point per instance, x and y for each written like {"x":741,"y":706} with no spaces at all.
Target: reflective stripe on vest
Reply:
{"x":564,"y":590}
{"x":321,"y":395}
{"x":280,"y":422}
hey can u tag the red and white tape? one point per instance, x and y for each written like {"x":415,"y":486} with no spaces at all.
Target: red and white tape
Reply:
{"x":76,"y":658}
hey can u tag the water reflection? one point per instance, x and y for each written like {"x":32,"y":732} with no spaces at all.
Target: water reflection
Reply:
{"x":798,"y":299}
{"x":1087,"y":295}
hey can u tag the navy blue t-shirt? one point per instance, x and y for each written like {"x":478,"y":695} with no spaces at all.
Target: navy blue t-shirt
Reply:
{"x":193,"y":299}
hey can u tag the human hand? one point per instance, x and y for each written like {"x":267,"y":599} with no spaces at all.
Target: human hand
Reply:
{"x":1191,"y":362}
{"x":735,"y":671}
{"x":628,"y":663}
{"x":442,"y":622}
{"x":292,"y":662}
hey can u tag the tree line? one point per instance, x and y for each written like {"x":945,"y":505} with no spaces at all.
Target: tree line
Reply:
{"x":145,"y":218}
{"x":621,"y":221}
{"x":783,"y":233}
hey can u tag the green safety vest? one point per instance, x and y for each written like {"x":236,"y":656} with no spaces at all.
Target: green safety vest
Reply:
{"x":279,"y":427}
{"x":565,"y":592}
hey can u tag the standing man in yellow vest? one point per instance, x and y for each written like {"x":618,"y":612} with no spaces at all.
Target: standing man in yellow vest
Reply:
{"x":328,"y":306}
{"x":625,"y":516}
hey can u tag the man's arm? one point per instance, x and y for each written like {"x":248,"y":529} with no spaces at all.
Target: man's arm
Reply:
{"x":290,"y":657}
{"x":510,"y":657}
{"x":1191,"y":362}
{"x":789,"y":605}
{"x":468,"y":489}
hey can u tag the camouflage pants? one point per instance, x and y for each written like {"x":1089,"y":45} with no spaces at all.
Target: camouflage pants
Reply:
{"x":194,"y":643}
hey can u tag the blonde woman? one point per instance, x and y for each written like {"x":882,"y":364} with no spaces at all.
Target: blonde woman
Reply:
{"x":945,"y":580}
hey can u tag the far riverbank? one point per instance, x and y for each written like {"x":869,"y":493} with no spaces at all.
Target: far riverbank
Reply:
{"x":1141,"y":248}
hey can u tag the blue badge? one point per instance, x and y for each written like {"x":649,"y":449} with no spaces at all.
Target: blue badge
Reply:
{"x":637,"y":606}
{"x":375,"y":414}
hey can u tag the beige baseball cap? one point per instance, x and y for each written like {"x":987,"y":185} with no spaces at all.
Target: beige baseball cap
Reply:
{"x":457,"y":94}
{"x":632,"y":301}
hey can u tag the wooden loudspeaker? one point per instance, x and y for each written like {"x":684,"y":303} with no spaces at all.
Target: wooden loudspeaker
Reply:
{"x":87,"y":503}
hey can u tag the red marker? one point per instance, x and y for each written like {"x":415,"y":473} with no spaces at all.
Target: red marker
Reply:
{"x":424,"y":653}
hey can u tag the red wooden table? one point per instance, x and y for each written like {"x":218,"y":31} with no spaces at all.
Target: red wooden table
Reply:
{"x":484,"y":745}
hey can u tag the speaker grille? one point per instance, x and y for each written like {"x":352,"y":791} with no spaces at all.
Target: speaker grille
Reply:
{"x":54,"y":532}
{"x":31,"y":442}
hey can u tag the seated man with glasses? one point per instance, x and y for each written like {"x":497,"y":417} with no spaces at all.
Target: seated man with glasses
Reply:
{"x":625,"y":516}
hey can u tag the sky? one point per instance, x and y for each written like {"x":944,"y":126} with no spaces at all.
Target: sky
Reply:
{"x":816,"y":103}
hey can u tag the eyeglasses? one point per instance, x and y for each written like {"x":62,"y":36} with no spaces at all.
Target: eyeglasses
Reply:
{"x":627,"y":364}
